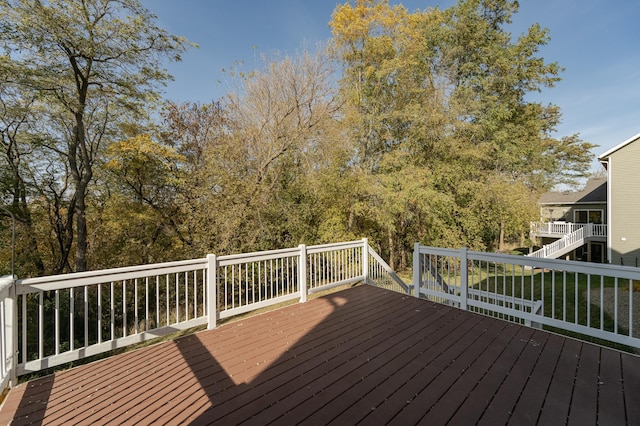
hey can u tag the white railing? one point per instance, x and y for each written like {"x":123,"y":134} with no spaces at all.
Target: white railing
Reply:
{"x":67,"y":317}
{"x":598,"y":230}
{"x":564,"y":228}
{"x":381,"y":275}
{"x":591,"y":299}
{"x":554,"y":228}
{"x":64,"y":318}
{"x":570,"y":241}
{"x":7,"y":340}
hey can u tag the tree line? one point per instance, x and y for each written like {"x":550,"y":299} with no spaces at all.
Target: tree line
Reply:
{"x":406,"y":126}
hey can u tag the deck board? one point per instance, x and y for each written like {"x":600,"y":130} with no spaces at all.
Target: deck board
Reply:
{"x":503,"y":401}
{"x":584,"y":402}
{"x":611,"y":409}
{"x":362,"y":355}
{"x":529,"y":405}
{"x":558,"y":397}
{"x":468,"y":378}
{"x":479,"y":398}
{"x":631,"y":389}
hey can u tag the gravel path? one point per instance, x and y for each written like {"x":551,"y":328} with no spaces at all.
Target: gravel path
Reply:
{"x":623,"y":306}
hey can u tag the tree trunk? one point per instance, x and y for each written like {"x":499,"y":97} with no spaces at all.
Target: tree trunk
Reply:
{"x":392,"y":251}
{"x":81,"y":170}
{"x":33,"y":252}
{"x":81,"y":229}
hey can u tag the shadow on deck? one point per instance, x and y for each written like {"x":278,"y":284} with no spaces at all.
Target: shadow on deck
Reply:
{"x":360,"y":355}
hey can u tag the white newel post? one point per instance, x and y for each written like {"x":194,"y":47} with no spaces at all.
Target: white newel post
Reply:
{"x":212,"y":290}
{"x":302,"y":273}
{"x":464,"y":278}
{"x":417,"y":270}
{"x":365,"y":260}
{"x":12,"y":333}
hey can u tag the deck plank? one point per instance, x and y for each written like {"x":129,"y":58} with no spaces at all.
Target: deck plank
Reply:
{"x":527,"y":409}
{"x":454,"y":397}
{"x":555,"y":409}
{"x":308,"y":378}
{"x":248,"y":365}
{"x":381,"y":384}
{"x":422,"y":372}
{"x":631,"y":377}
{"x":583,"y":410}
{"x":301,"y":397}
{"x":370,"y":375}
{"x":362,"y":355}
{"x":502,"y":404}
{"x":480,"y":397}
{"x":435,"y":383}
{"x":611,"y":408}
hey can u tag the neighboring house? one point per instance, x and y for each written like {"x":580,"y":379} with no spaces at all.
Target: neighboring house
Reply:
{"x":623,"y":210}
{"x":600,"y":223}
{"x":589,"y":205}
{"x":573,"y":223}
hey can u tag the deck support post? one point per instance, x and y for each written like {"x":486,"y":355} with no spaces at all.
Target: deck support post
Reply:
{"x":464,"y":278}
{"x":417,"y":270}
{"x":302,"y":273}
{"x":212,"y":290}
{"x":365,"y":260}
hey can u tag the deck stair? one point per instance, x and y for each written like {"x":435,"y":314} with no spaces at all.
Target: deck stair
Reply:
{"x":577,"y":236}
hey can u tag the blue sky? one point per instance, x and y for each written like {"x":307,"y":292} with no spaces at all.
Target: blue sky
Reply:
{"x":596,"y":41}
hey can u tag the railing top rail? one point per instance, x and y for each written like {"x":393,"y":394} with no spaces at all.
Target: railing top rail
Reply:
{"x":54,"y":282}
{"x":334,"y":246}
{"x":107,"y":272}
{"x":232,"y":259}
{"x":439,"y":251}
{"x":627,"y":272}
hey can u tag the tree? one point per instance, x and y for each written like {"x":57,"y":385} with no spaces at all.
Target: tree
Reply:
{"x":93,"y":63}
{"x":280,"y":121}
{"x":137,"y":215}
{"x":16,"y":123}
{"x":256,"y":152}
{"x":442,"y":94}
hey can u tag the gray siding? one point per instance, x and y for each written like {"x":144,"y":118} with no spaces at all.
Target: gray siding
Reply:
{"x":566,"y":213}
{"x":624,"y":181}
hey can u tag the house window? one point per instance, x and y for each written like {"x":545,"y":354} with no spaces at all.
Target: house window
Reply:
{"x":588,"y":216}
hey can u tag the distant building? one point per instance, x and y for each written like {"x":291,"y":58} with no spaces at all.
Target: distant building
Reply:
{"x":601,"y":222}
{"x":573,"y":223}
{"x":623,"y":209}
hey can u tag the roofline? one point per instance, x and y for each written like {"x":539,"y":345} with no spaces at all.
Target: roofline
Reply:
{"x":549,"y":203}
{"x":604,"y":156}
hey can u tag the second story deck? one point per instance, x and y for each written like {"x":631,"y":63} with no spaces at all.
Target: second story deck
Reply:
{"x":363,"y":355}
{"x":561,"y":229}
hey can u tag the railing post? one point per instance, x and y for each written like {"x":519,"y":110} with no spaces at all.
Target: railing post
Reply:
{"x":302,"y":273}
{"x":417,"y":270}
{"x":212,"y":290}
{"x":12,"y":334}
{"x":464,"y":278}
{"x":365,"y":260}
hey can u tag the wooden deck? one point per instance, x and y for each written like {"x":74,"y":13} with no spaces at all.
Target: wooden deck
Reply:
{"x":362,"y":355}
